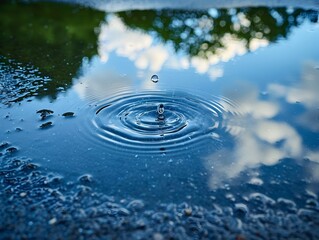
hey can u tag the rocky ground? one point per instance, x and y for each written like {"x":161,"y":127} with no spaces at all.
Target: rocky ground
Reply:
{"x":34,"y":204}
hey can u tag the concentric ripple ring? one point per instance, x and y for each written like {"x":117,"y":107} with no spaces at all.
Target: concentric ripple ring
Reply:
{"x":131,"y":120}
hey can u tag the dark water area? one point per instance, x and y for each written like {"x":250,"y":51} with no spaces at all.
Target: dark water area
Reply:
{"x":158,"y":124}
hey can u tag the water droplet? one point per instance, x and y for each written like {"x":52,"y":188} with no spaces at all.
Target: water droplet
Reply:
{"x":160,"y":109}
{"x":154,"y":78}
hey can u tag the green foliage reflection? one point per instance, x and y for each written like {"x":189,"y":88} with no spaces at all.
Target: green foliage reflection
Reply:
{"x":52,"y":37}
{"x":55,"y":37}
{"x":200,"y":33}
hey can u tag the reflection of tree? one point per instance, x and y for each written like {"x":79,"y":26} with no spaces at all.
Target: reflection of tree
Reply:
{"x":55,"y":37}
{"x":51,"y":37}
{"x":200,"y":33}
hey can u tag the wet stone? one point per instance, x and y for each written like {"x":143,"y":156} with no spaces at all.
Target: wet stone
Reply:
{"x":86,"y":178}
{"x":68,"y":114}
{"x":286,"y":204}
{"x":141,"y":224}
{"x":136,"y":205}
{"x":18,"y":129}
{"x":11,"y":150}
{"x":188,"y":211}
{"x":46,"y":125}
{"x":23,"y":194}
{"x":241,"y":210}
{"x":44,"y":113}
{"x":52,"y":221}
{"x":158,"y":236}
{"x":312,"y":203}
{"x":123,"y":212}
{"x":29,"y":166}
{"x":4,"y":145}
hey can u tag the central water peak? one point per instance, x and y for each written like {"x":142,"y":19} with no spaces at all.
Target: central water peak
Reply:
{"x":160,"y":111}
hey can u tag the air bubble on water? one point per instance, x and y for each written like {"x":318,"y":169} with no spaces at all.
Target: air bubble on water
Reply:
{"x":155,"y":78}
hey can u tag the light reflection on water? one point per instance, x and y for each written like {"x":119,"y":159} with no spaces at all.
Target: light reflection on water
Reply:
{"x":274,"y":118}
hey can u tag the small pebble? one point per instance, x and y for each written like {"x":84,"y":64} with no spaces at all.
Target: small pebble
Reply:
{"x":11,"y":150}
{"x":23,"y":194}
{"x":158,"y":236}
{"x":136,"y":205}
{"x":52,"y":221}
{"x":86,"y":178}
{"x":68,"y":114}
{"x":188,"y":211}
{"x":46,"y":125}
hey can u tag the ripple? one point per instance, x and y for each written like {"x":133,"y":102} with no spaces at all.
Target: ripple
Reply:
{"x":131,"y":120}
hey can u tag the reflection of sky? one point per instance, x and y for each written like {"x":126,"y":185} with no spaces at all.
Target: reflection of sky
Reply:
{"x":267,"y":133}
{"x":265,"y":140}
{"x":256,"y":143}
{"x":151,"y":56}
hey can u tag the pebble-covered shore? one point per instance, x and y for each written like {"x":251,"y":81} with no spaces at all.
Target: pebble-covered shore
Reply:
{"x":35,"y":204}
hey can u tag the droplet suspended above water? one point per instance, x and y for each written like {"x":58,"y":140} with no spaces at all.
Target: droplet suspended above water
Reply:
{"x":155,"y":78}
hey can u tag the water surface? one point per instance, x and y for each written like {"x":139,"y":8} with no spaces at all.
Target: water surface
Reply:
{"x":238,"y":87}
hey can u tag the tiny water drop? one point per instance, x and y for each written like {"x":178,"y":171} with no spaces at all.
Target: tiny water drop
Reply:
{"x":160,"y":109}
{"x":155,"y":78}
{"x":160,"y":112}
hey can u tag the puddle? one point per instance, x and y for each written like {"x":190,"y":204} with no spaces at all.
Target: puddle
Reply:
{"x":157,"y":124}
{"x":138,"y":122}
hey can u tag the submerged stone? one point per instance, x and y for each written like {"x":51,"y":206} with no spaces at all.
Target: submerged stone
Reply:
{"x":44,"y":113}
{"x":68,"y":114}
{"x":46,"y":125}
{"x":86,"y":178}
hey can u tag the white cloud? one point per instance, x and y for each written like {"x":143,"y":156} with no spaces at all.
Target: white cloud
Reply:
{"x":306,"y":92}
{"x":150,"y":56}
{"x":98,"y":82}
{"x":261,"y":140}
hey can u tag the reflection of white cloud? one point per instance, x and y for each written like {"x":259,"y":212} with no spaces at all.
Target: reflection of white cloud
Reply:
{"x":97,"y":82}
{"x":246,"y":96}
{"x":232,"y":47}
{"x":148,"y":55}
{"x":254,"y":146}
{"x":273,"y":132}
{"x":306,"y":92}
{"x":261,"y":141}
{"x":134,"y":45}
{"x":313,"y":156}
{"x":215,"y":73}
{"x":114,"y":36}
{"x":257,"y":43}
{"x":152,"y":58}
